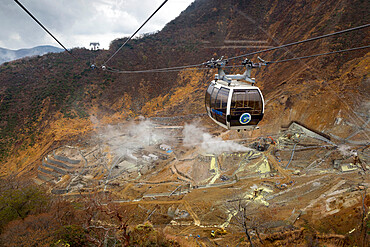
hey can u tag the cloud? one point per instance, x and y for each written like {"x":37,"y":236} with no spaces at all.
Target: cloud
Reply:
{"x":79,"y":22}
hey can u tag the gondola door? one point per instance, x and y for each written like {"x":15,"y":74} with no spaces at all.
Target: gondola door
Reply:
{"x":217,"y":98}
{"x":220,"y":108}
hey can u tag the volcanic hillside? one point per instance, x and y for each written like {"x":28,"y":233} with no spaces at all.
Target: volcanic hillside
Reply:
{"x":89,"y":155}
{"x":48,"y":100}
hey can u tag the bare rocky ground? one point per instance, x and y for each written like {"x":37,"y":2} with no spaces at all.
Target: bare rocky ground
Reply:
{"x":295,"y":182}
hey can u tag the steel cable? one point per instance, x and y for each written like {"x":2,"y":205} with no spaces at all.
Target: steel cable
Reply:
{"x":135,"y":32}
{"x":303,"y":41}
{"x":40,"y":24}
{"x":317,"y":55}
{"x":175,"y":69}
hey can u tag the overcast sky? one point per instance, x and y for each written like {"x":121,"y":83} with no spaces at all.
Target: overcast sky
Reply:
{"x":76,"y":23}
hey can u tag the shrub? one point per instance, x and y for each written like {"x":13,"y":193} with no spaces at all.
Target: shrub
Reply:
{"x":18,"y":203}
{"x":72,"y":235}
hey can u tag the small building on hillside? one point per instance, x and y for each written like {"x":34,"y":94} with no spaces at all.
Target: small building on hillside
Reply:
{"x":153,"y":156}
{"x":165,"y":147}
{"x":146,"y":158}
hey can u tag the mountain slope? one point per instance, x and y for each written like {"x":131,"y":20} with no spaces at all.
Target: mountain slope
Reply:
{"x":46,"y":101}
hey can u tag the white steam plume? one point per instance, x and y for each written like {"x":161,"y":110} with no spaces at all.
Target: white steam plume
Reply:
{"x":346,"y":150}
{"x":126,"y":139}
{"x":196,"y":136}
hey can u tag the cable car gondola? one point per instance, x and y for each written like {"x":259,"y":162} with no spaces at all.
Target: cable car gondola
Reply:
{"x":233,"y":101}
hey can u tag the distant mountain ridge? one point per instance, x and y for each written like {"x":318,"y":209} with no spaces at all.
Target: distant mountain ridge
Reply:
{"x":7,"y":55}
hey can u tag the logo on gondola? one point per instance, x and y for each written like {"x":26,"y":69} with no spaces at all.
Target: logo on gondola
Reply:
{"x":245,"y":118}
